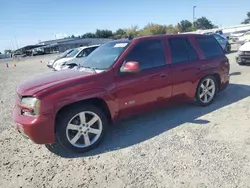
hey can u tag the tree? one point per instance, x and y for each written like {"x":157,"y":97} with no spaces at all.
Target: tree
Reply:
{"x":247,"y":20}
{"x":72,"y":36}
{"x":153,"y":29}
{"x":88,"y":35}
{"x":184,"y":26}
{"x":170,"y":29}
{"x":120,"y":33}
{"x":7,"y":51}
{"x":103,"y":33}
{"x":133,"y":31}
{"x":203,"y":23}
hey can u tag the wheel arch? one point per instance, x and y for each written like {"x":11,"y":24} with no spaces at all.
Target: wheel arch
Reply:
{"x":215,"y":75}
{"x":96,"y":101}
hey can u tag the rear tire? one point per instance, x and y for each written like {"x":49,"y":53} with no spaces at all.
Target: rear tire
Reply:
{"x":206,"y":91}
{"x":79,"y":129}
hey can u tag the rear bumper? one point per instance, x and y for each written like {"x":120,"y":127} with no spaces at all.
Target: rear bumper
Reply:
{"x":225,"y":78}
{"x":38,"y":129}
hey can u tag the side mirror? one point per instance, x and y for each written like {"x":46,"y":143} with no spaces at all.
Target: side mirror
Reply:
{"x":130,"y":67}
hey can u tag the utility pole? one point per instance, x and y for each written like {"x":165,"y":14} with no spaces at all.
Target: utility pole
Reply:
{"x":193,"y":14}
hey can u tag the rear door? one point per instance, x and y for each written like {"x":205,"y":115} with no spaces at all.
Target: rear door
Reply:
{"x":141,"y":91}
{"x":184,"y":67}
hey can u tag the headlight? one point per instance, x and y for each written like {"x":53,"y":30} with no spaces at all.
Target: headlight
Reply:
{"x":31,"y":106}
{"x":64,"y":63}
{"x":240,"y":53}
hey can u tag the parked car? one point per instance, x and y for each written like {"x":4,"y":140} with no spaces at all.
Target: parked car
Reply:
{"x":18,"y":55}
{"x":76,"y":56}
{"x":243,"y":56}
{"x":244,"y":38}
{"x":35,"y":53}
{"x":71,"y":109}
{"x":64,"y":54}
{"x":238,"y":33}
{"x":226,"y":46}
{"x":224,"y":35}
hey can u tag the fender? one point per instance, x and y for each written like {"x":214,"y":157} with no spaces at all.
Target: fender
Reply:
{"x":85,"y":94}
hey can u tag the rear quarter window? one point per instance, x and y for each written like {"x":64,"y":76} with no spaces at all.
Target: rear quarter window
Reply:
{"x":209,"y":46}
{"x":182,"y":50}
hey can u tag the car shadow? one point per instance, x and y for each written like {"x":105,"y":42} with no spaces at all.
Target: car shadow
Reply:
{"x":141,"y":128}
{"x":235,"y":74}
{"x":232,"y":51}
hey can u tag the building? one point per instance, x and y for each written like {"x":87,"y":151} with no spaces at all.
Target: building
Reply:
{"x":226,"y":30}
{"x":61,"y":45}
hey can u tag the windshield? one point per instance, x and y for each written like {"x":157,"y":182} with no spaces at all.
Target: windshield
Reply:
{"x":105,"y":56}
{"x":73,"y":53}
{"x":65,"y":53}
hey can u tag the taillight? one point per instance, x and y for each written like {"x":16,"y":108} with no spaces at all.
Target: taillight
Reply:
{"x":225,"y":65}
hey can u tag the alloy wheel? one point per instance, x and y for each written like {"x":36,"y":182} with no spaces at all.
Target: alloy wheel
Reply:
{"x":84,"y":129}
{"x":207,"y":90}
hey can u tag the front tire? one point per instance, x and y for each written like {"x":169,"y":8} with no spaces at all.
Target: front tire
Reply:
{"x":79,"y":129}
{"x":206,"y":91}
{"x":227,"y":49}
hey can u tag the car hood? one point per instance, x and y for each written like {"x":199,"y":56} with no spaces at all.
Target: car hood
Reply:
{"x":77,"y":61}
{"x":62,"y":60}
{"x":245,"y":47}
{"x":237,"y":35}
{"x":244,"y":38}
{"x":36,"y":84}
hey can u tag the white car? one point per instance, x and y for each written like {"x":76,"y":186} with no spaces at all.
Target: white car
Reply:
{"x":243,"y":56}
{"x":50,"y":63}
{"x":76,"y":56}
{"x":244,"y":38}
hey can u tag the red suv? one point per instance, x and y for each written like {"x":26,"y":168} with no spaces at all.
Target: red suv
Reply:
{"x":71,"y":109}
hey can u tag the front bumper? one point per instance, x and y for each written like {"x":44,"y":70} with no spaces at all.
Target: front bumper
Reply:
{"x":38,"y":129}
{"x":243,"y":59}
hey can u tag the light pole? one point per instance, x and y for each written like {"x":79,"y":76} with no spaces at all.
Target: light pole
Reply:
{"x":193,"y":14}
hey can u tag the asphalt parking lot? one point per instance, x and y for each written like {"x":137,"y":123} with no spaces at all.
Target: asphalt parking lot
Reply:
{"x":183,"y":146}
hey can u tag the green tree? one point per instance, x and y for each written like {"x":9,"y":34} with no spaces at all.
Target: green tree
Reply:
{"x":247,"y":20}
{"x":153,"y":29}
{"x":7,"y":51}
{"x":133,"y":31}
{"x":88,"y":35}
{"x":170,"y":29}
{"x":72,"y":36}
{"x":203,"y":23}
{"x":103,"y":33}
{"x":120,"y":33}
{"x":185,"y":26}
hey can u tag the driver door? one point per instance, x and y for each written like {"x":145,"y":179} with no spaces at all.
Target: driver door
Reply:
{"x":139,"y":92}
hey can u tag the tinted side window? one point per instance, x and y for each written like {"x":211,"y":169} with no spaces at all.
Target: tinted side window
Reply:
{"x":148,"y":54}
{"x":182,"y":50}
{"x":209,"y":46}
{"x":191,"y":51}
{"x":89,"y":50}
